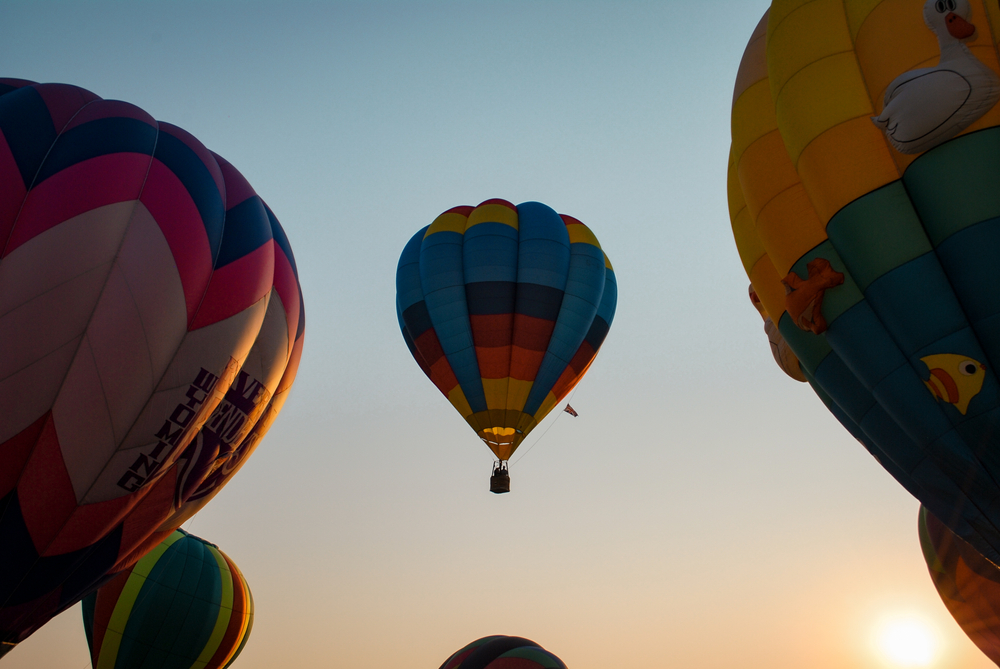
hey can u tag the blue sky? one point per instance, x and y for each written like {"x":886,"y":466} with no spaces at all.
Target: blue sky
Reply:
{"x":703,"y":511}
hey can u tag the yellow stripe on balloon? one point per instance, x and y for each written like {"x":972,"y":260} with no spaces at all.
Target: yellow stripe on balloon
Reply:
{"x":225,"y":610}
{"x":126,"y":600}
{"x":447,"y":222}
{"x":581,"y":234}
{"x":493,"y":213}
{"x":458,"y":400}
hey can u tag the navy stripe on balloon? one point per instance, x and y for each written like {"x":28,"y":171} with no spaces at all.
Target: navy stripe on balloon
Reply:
{"x":247,"y":229}
{"x":99,"y":137}
{"x":538,"y":301}
{"x":486,"y":298}
{"x":417,"y":319}
{"x":491,"y":650}
{"x":27,"y":126}
{"x":278,"y":233}
{"x":199,"y":183}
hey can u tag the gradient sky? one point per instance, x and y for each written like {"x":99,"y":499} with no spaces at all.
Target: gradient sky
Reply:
{"x":704,"y":511}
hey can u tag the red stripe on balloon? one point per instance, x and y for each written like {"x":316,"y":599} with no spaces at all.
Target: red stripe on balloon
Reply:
{"x":175,"y":212}
{"x":531,"y":339}
{"x":15,"y":451}
{"x":13,"y":192}
{"x":90,"y":521}
{"x":64,"y":101}
{"x":93,"y":183}
{"x":287,"y":287}
{"x":237,"y":286}
{"x":45,"y":490}
{"x":104,"y":608}
{"x":148,"y":514}
{"x":237,"y":622}
{"x":238,"y":189}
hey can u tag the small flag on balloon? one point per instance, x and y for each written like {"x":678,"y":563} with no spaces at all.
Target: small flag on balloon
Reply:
{"x":571,"y":411}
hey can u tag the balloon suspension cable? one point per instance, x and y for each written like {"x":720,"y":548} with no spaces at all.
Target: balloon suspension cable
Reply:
{"x":520,"y":457}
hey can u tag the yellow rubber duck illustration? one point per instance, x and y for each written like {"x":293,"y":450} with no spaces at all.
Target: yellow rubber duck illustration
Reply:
{"x":955,"y":379}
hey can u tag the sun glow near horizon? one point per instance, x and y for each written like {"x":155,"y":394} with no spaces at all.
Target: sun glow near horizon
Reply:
{"x":907,"y":640}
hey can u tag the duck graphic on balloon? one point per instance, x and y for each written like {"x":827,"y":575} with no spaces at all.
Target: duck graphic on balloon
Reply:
{"x":922,"y":109}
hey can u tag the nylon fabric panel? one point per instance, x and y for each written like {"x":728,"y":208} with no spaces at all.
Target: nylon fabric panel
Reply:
{"x":443,"y":285}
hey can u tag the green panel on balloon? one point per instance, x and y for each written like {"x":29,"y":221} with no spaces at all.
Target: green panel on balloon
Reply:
{"x":955,"y":185}
{"x":877,"y":233}
{"x":810,"y":348}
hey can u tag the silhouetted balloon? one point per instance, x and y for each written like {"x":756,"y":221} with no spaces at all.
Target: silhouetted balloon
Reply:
{"x":968,"y":583}
{"x":863,"y":197}
{"x":504,"y":308}
{"x":503,"y":652}
{"x":185,"y":605}
{"x":150,"y":314}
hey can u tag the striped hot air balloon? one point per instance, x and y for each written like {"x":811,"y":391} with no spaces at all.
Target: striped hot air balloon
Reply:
{"x":503,"y":652}
{"x":151,"y":322}
{"x":185,"y":605}
{"x":504,"y":308}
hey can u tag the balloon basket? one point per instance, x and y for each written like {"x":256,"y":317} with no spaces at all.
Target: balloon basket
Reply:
{"x":500,"y":483}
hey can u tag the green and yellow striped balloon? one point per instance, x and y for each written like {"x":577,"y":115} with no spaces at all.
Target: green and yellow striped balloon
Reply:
{"x":185,"y":605}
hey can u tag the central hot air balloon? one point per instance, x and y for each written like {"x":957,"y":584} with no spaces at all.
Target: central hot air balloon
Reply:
{"x":504,"y":308}
{"x":150,"y":324}
{"x":864,"y":199}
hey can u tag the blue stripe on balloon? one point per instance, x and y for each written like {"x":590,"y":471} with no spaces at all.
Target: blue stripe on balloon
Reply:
{"x":584,"y":289}
{"x":442,"y":279}
{"x":489,"y":253}
{"x":543,"y":246}
{"x":408,"y":288}
{"x":27,"y":126}
{"x":916,"y":303}
{"x":247,"y":229}
{"x":99,"y":137}
{"x":874,"y":353}
{"x":178,"y":157}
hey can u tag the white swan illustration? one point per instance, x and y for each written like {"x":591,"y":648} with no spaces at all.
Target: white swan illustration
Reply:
{"x":923,"y":108}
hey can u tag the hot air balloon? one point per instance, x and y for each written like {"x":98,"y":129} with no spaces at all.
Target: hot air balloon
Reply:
{"x":504,"y":308}
{"x":185,"y":605}
{"x":968,"y":583}
{"x":503,"y":652}
{"x":150,"y":313}
{"x":863,"y":201}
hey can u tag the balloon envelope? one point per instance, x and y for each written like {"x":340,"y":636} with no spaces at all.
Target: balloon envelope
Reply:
{"x":149,"y":310}
{"x":185,"y":605}
{"x":504,"y":308}
{"x":968,"y":583}
{"x":503,"y":652}
{"x":881,"y":266}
